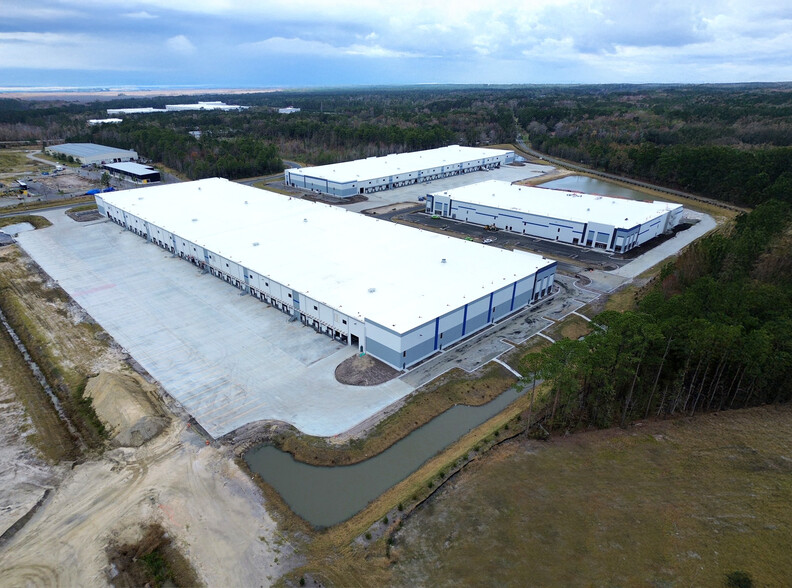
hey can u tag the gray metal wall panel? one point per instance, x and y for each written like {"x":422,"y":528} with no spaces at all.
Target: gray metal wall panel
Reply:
{"x":384,"y":352}
{"x":521,"y":300}
{"x":450,"y":335}
{"x":474,"y":323}
{"x":417,"y":352}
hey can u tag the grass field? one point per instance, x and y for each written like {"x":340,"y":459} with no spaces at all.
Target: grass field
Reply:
{"x":16,"y":162}
{"x":674,"y":503}
{"x":37,"y":221}
{"x":572,"y":327}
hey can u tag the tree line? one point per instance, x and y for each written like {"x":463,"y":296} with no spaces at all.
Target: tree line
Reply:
{"x":712,"y":334}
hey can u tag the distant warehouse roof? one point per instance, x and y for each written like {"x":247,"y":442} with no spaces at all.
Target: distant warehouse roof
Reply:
{"x":135,"y":171}
{"x":566,"y":204}
{"x":399,"y":163}
{"x":92,"y":153}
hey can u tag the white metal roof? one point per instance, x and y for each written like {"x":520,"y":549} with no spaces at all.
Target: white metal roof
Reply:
{"x":331,"y":254}
{"x":132,"y":168}
{"x":90,"y":150}
{"x":561,"y":204}
{"x":397,"y":163}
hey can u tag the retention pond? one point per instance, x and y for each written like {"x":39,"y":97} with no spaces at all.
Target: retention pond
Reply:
{"x":595,"y":186}
{"x":325,"y":496}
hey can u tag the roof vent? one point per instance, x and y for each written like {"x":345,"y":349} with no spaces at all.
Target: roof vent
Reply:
{"x":255,"y":243}
{"x":443,"y":260}
{"x":305,"y":220}
{"x":372,"y":290}
{"x":246,"y":202}
{"x":195,"y":220}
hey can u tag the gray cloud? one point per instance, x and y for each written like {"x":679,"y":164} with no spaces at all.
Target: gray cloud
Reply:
{"x":518,"y":41}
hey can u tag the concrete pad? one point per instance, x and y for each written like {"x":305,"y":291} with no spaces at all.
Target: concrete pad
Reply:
{"x":228,"y":358}
{"x":506,"y":173}
{"x":667,"y":249}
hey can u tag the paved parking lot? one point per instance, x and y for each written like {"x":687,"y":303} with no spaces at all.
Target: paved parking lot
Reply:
{"x":229,"y":359}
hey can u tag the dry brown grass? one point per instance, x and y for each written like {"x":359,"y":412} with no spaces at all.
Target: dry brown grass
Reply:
{"x":337,"y":557}
{"x":571,"y":327}
{"x":674,"y":503}
{"x":17,"y":162}
{"x":37,"y":221}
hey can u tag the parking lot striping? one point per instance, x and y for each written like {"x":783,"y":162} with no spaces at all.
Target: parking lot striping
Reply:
{"x":541,"y":334}
{"x":587,"y":319}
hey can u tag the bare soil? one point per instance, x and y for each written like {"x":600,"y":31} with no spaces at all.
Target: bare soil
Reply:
{"x":66,"y":182}
{"x":364,"y":370}
{"x":211,"y":511}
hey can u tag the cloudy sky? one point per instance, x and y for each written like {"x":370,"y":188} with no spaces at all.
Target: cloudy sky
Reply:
{"x":288,"y":43}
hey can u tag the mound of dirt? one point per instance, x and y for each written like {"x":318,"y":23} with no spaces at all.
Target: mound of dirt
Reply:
{"x":122,"y":403}
{"x":364,"y":370}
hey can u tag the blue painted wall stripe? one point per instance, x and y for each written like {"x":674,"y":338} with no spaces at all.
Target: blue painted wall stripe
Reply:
{"x":464,"y":321}
{"x":437,"y":331}
{"x":514,"y":292}
{"x":489,"y":308}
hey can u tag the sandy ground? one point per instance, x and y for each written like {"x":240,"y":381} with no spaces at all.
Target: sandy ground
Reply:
{"x":24,"y":476}
{"x":211,"y":508}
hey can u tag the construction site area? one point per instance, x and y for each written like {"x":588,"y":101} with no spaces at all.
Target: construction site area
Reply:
{"x":136,"y":391}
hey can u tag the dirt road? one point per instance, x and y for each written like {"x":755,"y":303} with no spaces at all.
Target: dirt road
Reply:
{"x":214,"y":512}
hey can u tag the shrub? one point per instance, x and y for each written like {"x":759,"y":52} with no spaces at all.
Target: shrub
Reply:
{"x":368,"y":536}
{"x":739,"y":579}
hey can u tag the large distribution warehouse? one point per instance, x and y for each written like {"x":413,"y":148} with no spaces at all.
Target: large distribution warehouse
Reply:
{"x":364,"y":176}
{"x":398,"y":293}
{"x":613,"y":224}
{"x":91,"y":153}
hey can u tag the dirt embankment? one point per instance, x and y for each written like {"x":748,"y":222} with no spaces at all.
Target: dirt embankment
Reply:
{"x":210,"y":509}
{"x":128,"y":407}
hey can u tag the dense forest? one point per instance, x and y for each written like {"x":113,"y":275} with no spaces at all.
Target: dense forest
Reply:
{"x":712,"y":334}
{"x":729,"y":142}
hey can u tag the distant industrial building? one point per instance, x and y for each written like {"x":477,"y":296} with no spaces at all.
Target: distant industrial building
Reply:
{"x":374,"y":174}
{"x":104,"y":121}
{"x":133,"y":172}
{"x":144,"y":110}
{"x":288,"y":110}
{"x":398,"y":293}
{"x":91,"y":153}
{"x":590,"y":220}
{"x":215,"y":105}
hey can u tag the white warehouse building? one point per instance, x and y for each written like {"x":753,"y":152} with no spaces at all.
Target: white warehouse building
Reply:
{"x":363,"y":176}
{"x":590,"y":220}
{"x":398,"y":293}
{"x":91,"y":153}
